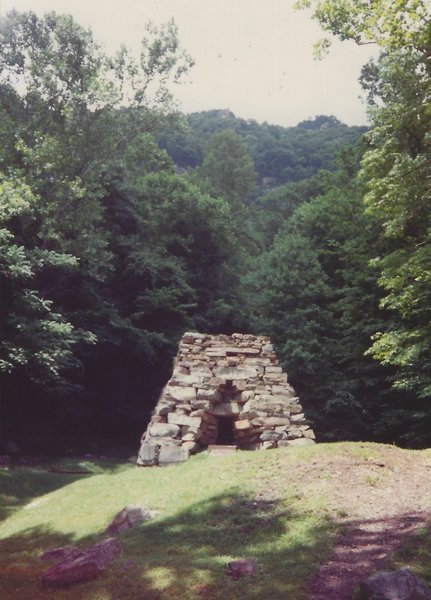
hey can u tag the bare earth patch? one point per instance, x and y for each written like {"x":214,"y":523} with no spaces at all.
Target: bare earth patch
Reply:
{"x":379,"y":498}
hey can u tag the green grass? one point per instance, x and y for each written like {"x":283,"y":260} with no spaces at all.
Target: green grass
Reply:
{"x":211,"y":510}
{"x":416,"y":554}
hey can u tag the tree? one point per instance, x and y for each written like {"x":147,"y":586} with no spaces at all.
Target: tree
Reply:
{"x":32,"y":334}
{"x":392,"y":25}
{"x":227,"y":168}
{"x":78,"y":109}
{"x":397,"y":168}
{"x":318,"y":300}
{"x":69,"y":114}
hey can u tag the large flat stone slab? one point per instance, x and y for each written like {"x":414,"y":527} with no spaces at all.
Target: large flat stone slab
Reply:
{"x":229,"y":373}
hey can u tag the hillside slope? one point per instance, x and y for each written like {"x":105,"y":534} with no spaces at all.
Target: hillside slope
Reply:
{"x":316,"y":519}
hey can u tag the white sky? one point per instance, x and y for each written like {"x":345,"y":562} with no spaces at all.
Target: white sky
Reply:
{"x":254,"y":57}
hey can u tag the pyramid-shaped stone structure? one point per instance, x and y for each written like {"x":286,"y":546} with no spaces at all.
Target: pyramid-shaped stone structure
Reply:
{"x":224,"y":389}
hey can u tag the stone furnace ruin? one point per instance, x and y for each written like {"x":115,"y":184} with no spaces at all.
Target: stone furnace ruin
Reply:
{"x":224,"y":390}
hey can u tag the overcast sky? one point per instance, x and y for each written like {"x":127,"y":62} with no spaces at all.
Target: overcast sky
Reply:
{"x":254,"y":57}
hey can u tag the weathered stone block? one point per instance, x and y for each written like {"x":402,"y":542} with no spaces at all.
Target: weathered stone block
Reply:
{"x":240,"y":384}
{"x":235,"y":372}
{"x":163,"y":430}
{"x":197,"y":413}
{"x":158,"y":419}
{"x":190,"y":446}
{"x":183,"y":409}
{"x":294,"y":432}
{"x":283,"y":443}
{"x":176,"y":419}
{"x":245,"y":350}
{"x":147,"y":456}
{"x":275,"y":378}
{"x":193,"y":379}
{"x":163,"y":408}
{"x":180,"y":394}
{"x":244,"y":416}
{"x":255,"y":414}
{"x":167,"y":441}
{"x":242,"y":425}
{"x":172,"y":454}
{"x":269,"y":444}
{"x":301,"y":442}
{"x":226,"y":409}
{"x":268,"y":348}
{"x":268,"y":407}
{"x":247,"y":395}
{"x":196,"y":336}
{"x":200,"y":404}
{"x":215,"y":352}
{"x":298,"y":418}
{"x":270,"y":436}
{"x":272,"y":369}
{"x":247,"y":433}
{"x":283,"y":390}
{"x":257,"y":361}
{"x":277,"y":421}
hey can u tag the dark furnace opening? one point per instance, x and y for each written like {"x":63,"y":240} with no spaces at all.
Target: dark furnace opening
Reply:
{"x":225,"y":431}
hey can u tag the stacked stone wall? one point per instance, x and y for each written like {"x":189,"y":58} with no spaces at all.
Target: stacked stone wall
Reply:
{"x":234,"y":377}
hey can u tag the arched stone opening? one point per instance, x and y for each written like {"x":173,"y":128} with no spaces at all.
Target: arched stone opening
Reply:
{"x":218,"y":421}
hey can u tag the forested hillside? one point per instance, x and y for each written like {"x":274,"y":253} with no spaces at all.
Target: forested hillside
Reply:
{"x":280,"y":154}
{"x":124,"y":223}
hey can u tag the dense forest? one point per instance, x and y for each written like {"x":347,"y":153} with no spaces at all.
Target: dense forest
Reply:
{"x":124,"y":223}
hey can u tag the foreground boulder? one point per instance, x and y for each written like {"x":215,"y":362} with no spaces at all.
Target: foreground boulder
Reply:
{"x":128,"y":517}
{"x":88,"y":565}
{"x":395,"y":585}
{"x":62,"y":554}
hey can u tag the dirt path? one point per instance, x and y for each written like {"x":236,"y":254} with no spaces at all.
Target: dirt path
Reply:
{"x":380,"y":501}
{"x":364,"y":548}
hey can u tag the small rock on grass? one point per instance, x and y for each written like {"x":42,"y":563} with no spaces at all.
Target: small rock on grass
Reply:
{"x":241,"y":567}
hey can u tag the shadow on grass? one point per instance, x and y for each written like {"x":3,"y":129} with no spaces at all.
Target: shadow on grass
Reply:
{"x":367,"y":546}
{"x":21,"y":485}
{"x":20,"y":566}
{"x":186,"y":556}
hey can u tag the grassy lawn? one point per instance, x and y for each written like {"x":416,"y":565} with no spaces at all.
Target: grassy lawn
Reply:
{"x":211,"y":510}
